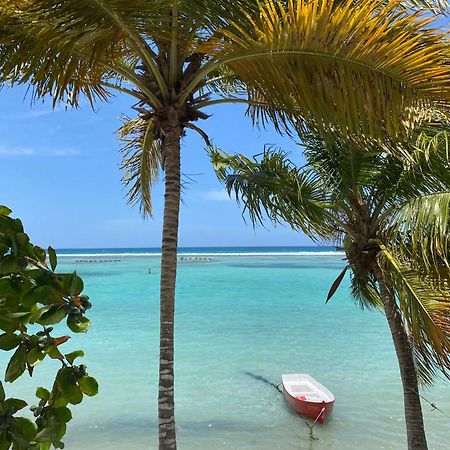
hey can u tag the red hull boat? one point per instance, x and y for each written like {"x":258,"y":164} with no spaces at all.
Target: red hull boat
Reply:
{"x":307,"y":397}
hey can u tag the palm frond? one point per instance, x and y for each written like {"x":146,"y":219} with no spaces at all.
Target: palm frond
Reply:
{"x":349,"y":67}
{"x":343,"y":167}
{"x":365,"y":292}
{"x":141,"y":161}
{"x":272,"y":187}
{"x":64,"y":49}
{"x":425,"y":171}
{"x":424,"y":302}
{"x":434,"y":139}
{"x":435,"y":6}
{"x":419,"y":229}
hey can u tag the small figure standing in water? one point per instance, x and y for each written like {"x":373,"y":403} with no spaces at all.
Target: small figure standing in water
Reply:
{"x":149,"y":269}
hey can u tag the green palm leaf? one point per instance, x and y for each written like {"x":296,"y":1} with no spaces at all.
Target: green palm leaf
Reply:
{"x":273,"y":187}
{"x":350,"y":67}
{"x":141,"y":161}
{"x":420,"y":229}
{"x":425,"y":305}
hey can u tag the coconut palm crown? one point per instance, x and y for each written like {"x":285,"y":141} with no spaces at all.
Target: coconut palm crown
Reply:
{"x":368,"y":68}
{"x":392,"y":218}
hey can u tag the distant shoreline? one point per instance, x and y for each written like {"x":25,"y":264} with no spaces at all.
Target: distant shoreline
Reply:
{"x":199,"y":253}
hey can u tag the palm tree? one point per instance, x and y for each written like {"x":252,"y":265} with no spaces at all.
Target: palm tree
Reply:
{"x":392,"y":218}
{"x":176,"y":58}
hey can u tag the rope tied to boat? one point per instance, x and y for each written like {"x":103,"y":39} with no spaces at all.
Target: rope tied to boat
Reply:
{"x":432,"y":404}
{"x":277,"y":387}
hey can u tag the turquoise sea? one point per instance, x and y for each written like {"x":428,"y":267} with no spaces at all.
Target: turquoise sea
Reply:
{"x":247,"y":311}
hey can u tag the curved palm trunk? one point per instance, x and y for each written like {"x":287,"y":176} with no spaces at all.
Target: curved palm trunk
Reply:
{"x":166,"y":404}
{"x":413,"y":410}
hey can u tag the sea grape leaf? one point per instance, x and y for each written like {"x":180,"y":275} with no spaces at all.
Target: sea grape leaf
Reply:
{"x":45,"y":446}
{"x":73,"y":355}
{"x":54,"y":353}
{"x":54,"y":315}
{"x":2,"y":392}
{"x":69,"y":387}
{"x":8,"y":341}
{"x":52,"y":258}
{"x":5,"y":211}
{"x":42,"y":393}
{"x":88,"y":385}
{"x":35,"y":356}
{"x":63,"y":413}
{"x":16,"y":365}
{"x":22,"y":239}
{"x":9,"y":264}
{"x":54,"y":430}
{"x":12,"y":405}
{"x":79,"y":324}
{"x":5,"y":443}
{"x":27,"y":428}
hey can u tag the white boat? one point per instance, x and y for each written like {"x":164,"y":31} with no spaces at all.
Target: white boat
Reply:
{"x":307,"y":396}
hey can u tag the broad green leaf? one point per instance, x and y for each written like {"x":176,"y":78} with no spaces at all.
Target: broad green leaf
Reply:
{"x":45,"y":446}
{"x":35,"y":356}
{"x":42,"y":393}
{"x":54,"y":315}
{"x":5,"y":442}
{"x":9,"y":264}
{"x":8,"y":341}
{"x":79,"y":324}
{"x":68,"y":386}
{"x":2,"y":392}
{"x":22,"y":239}
{"x":26,"y":427}
{"x":12,"y":405}
{"x":54,"y":353}
{"x":60,"y":401}
{"x":73,"y":355}
{"x":16,"y":365}
{"x":52,"y":258}
{"x":40,"y":294}
{"x":7,"y":288}
{"x":63,"y":413}
{"x":88,"y":385}
{"x":73,"y":284}
{"x":53,"y":432}
{"x":5,"y":211}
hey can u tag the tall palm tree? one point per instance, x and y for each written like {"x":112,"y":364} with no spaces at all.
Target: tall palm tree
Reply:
{"x":352,"y":67}
{"x":392,"y":218}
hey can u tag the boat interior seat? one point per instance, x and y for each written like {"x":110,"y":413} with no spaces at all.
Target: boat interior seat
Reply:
{"x":302,"y":388}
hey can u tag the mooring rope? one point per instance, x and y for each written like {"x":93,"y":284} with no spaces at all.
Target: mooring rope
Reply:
{"x":277,"y":387}
{"x":433,"y":405}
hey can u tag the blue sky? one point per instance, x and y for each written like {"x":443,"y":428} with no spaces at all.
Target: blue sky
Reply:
{"x":61,"y":177}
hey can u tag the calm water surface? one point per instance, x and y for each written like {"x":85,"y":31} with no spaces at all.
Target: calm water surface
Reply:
{"x":237,"y":314}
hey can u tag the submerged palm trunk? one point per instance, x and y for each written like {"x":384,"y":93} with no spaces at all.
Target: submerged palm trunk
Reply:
{"x":166,"y":405}
{"x":413,"y":410}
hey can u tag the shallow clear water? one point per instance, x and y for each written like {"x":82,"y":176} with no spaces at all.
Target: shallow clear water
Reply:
{"x":259,"y":314}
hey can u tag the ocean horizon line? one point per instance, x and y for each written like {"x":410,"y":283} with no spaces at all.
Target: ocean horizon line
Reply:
{"x":203,"y":251}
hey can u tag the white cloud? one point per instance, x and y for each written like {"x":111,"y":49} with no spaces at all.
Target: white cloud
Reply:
{"x":32,"y":114}
{"x":10,"y":152}
{"x":218,"y":195}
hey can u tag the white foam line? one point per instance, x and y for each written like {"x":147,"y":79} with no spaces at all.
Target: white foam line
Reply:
{"x":109,"y":255}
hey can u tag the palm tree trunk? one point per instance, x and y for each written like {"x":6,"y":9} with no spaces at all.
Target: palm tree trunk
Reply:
{"x":413,"y":410}
{"x":166,"y":404}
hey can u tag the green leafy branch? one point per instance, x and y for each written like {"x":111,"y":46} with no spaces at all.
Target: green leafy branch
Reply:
{"x":33,"y":294}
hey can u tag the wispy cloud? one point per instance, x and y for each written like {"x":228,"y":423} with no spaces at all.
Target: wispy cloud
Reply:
{"x":32,"y":114}
{"x":217,"y":195}
{"x":11,"y":152}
